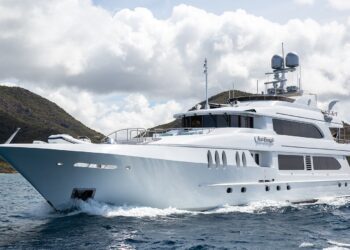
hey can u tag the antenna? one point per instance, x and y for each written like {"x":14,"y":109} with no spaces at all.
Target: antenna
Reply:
{"x":283,"y":55}
{"x":233,"y":90}
{"x":205,"y":66}
{"x":257,"y":86}
{"x":282,"y":65}
{"x":283,"y":77}
{"x":300,"y":78}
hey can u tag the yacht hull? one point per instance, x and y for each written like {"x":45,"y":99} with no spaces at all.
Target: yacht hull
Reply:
{"x":158,"y":182}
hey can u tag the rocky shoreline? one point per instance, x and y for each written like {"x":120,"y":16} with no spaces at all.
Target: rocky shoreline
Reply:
{"x":6,"y":168}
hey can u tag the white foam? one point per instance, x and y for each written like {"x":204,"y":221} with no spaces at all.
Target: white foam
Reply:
{"x":253,"y":207}
{"x":97,"y":208}
{"x":339,"y":244}
{"x":332,"y":201}
{"x":336,"y":248}
{"x":306,"y":245}
{"x":261,"y":207}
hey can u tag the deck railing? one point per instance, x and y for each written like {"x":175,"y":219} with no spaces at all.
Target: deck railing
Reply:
{"x":341,"y":134}
{"x":342,"y":141}
{"x":142,"y":135}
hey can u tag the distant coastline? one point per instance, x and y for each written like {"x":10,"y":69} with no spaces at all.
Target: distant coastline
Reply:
{"x":6,"y":168}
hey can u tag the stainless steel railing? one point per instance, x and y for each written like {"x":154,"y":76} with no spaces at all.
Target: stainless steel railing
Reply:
{"x":142,"y":135}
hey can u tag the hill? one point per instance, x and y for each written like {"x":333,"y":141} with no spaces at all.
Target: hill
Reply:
{"x":37,"y":117}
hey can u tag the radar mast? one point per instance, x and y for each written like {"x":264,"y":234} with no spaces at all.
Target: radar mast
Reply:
{"x":282,"y":65}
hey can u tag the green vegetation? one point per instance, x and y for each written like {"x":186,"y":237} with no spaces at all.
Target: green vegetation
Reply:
{"x":6,"y":168}
{"x":37,"y":117}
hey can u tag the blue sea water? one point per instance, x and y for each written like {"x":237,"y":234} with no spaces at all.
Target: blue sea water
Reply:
{"x":27,"y":222}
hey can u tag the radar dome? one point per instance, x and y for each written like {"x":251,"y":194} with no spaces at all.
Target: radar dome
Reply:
{"x":277,"y":62}
{"x":292,"y":60}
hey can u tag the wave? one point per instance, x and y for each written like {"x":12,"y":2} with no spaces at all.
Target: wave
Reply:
{"x":98,"y":208}
{"x":337,"y":245}
{"x":334,"y":202}
{"x":94,"y":207}
{"x":306,"y":245}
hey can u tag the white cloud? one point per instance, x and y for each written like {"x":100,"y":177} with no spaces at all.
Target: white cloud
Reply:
{"x":304,"y":2}
{"x":340,"y":4}
{"x":112,"y":112}
{"x":79,"y":54}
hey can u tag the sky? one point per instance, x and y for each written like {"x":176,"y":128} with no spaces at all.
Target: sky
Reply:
{"x":117,"y":64}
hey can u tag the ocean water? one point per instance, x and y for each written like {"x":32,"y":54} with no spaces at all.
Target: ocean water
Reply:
{"x":27,"y":222}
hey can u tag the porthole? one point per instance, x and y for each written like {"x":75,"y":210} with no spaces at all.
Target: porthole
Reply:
{"x":243,"y":190}
{"x":238,"y":160}
{"x":229,"y":190}
{"x":210,"y":159}
{"x":244,"y":160}
{"x":267,"y":188}
{"x":288,"y":187}
{"x":128,"y":168}
{"x":217,"y":159}
{"x":346,"y":184}
{"x":339,"y":184}
{"x":278,"y":188}
{"x":59,"y":164}
{"x":224,"y":159}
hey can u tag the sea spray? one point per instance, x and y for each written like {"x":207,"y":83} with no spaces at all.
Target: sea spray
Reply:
{"x":93,"y":207}
{"x":98,"y":208}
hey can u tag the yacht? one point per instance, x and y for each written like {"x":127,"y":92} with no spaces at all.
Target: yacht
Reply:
{"x":277,"y":145}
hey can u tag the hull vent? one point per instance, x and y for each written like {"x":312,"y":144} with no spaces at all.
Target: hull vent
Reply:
{"x":308,"y":162}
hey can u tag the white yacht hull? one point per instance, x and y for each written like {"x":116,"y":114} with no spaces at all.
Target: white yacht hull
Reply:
{"x":164,"y":181}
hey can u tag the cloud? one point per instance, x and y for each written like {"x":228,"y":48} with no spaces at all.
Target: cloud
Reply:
{"x":340,"y":4}
{"x":112,"y":112}
{"x":304,"y":2}
{"x":79,"y":54}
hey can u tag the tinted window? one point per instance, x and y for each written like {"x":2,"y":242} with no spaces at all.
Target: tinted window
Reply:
{"x":234,"y":121}
{"x":348,"y":159}
{"x":219,"y":121}
{"x":283,"y":127}
{"x":257,"y":159}
{"x":186,"y":122}
{"x":325,"y":163}
{"x":209,"y":121}
{"x":222,"y":121}
{"x":196,"y":122}
{"x":246,"y":122}
{"x":291,"y":162}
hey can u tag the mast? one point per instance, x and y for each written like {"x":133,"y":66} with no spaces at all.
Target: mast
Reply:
{"x":206,"y":83}
{"x":282,"y":65}
{"x":283,"y":72}
{"x":233,"y":90}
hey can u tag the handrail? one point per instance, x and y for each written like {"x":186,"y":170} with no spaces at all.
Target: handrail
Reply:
{"x":141,"y":135}
{"x":131,"y":133}
{"x":342,"y":141}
